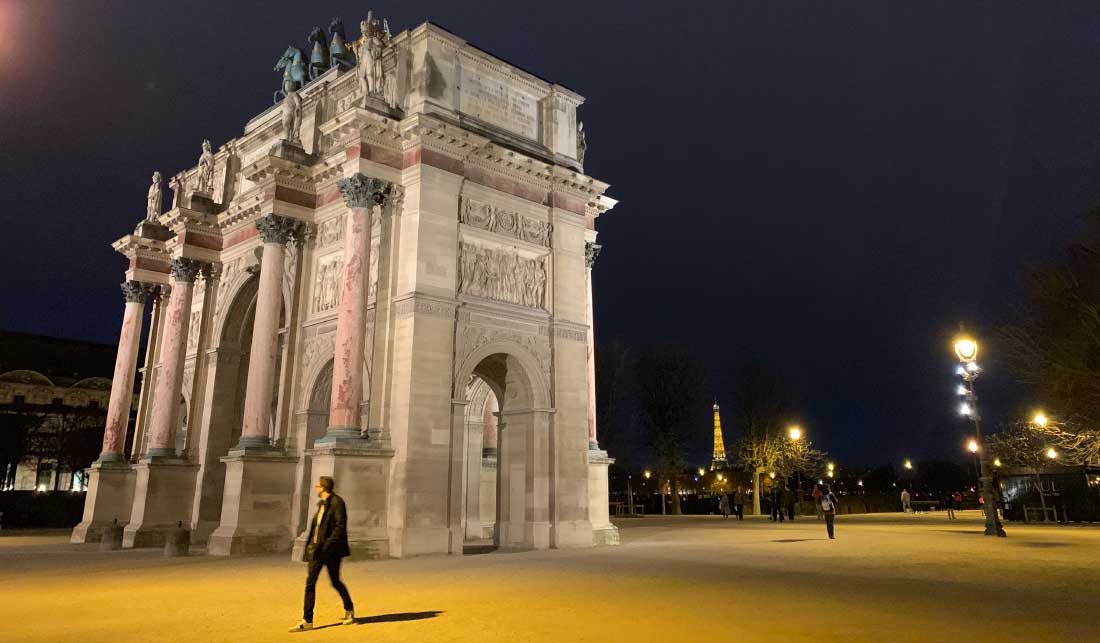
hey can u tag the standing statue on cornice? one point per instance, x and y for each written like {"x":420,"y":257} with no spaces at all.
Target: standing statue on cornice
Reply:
{"x":205,"y":183}
{"x":154,"y":200}
{"x":340,"y":55}
{"x":582,"y":143}
{"x":292,"y":116}
{"x":374,"y":35}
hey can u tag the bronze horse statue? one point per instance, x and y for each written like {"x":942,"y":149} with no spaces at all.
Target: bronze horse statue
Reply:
{"x":319,"y":59}
{"x":292,"y":62}
{"x":340,"y":56}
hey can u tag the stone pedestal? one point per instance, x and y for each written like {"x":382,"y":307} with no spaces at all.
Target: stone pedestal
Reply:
{"x":163,"y":490}
{"x":110,"y":496}
{"x":603,"y":532}
{"x":291,"y":151}
{"x":256,"y":505}
{"x":362,"y":479}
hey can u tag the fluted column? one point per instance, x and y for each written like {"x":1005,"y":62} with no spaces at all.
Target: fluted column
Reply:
{"x":361,"y":193}
{"x":591,"y":251}
{"x":276,"y":232}
{"x":166,"y":401}
{"x":122,"y":384}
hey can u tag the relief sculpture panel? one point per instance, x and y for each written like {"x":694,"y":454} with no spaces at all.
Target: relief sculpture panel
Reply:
{"x":326,"y":286}
{"x":506,"y":222}
{"x":503,"y":276}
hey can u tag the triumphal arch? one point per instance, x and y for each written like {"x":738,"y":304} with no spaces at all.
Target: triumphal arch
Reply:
{"x":386,"y":278}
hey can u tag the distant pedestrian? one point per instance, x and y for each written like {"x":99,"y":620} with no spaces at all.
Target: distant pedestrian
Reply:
{"x":739,"y":503}
{"x":949,"y":502}
{"x":828,"y":508}
{"x":326,"y":546}
{"x":905,"y":506}
{"x":817,"y":502}
{"x":777,"y":503}
{"x":788,"y":501}
{"x":724,"y":505}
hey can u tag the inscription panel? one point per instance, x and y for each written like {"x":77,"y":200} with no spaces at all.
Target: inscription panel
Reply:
{"x":494,"y":99}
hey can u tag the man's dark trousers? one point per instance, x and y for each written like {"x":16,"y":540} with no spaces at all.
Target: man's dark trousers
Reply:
{"x":333,"y":567}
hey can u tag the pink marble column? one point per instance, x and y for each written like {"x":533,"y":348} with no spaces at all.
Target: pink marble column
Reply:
{"x":591,"y":251}
{"x":122,"y":385}
{"x":361,"y":193}
{"x":489,"y":422}
{"x":166,"y":399}
{"x":276,"y":232}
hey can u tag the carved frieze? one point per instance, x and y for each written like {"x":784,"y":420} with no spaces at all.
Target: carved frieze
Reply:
{"x":331,"y":230}
{"x":502,"y":276}
{"x":424,"y":306}
{"x":326,"y":286}
{"x":505,"y":222}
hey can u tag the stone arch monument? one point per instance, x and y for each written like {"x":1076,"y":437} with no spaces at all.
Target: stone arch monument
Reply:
{"x":392,"y":288}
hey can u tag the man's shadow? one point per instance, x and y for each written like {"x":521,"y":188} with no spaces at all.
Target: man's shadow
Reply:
{"x":388,"y":618}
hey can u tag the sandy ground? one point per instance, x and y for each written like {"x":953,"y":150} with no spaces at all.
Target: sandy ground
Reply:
{"x":885,"y":578}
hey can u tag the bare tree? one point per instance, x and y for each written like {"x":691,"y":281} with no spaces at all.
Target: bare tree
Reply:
{"x":16,"y":426}
{"x":670,"y":396}
{"x":1054,"y":346}
{"x":762,"y":401}
{"x":614,"y":365}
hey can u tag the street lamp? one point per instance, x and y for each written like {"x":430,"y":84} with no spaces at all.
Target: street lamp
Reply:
{"x":795,"y":433}
{"x":1051,"y":453}
{"x":966,"y":349}
{"x":972,"y":446}
{"x":1040,"y":420}
{"x":908,"y":464}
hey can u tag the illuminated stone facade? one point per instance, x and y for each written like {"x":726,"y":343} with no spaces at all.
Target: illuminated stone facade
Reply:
{"x":396,"y":293}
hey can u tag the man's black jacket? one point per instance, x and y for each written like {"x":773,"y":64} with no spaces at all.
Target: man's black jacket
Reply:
{"x":333,"y":542}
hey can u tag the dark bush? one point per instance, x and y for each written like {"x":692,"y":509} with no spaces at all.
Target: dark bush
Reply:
{"x":41,"y":508}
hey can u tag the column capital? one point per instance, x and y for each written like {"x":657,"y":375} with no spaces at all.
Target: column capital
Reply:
{"x":362,"y":191}
{"x":136,"y":292}
{"x":185,"y":269}
{"x":276,"y":229}
{"x":591,"y":251}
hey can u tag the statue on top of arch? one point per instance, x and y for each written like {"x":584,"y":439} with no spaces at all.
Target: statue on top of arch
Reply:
{"x":373,"y":39}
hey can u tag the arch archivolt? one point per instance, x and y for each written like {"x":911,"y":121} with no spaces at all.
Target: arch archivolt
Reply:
{"x":531,"y":352}
{"x":317,"y":352}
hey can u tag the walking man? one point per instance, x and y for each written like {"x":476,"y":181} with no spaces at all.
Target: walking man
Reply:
{"x":739,"y":503}
{"x":326,"y":546}
{"x":828,"y":507}
{"x":905,"y":506}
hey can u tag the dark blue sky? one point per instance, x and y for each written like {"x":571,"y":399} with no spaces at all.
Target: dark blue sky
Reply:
{"x":830,"y":187}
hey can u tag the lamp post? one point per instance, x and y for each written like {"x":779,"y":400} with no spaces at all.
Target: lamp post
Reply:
{"x":966,"y":349}
{"x":795,"y":434}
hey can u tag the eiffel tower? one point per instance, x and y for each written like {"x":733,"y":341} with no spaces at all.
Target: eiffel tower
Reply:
{"x":719,"y":459}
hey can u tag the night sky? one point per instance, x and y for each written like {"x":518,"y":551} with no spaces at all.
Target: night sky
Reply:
{"x":828,"y":187}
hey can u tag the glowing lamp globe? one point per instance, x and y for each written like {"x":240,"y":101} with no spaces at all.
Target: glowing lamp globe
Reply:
{"x":966,"y":349}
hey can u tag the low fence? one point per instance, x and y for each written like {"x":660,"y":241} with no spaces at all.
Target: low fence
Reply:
{"x":41,"y":508}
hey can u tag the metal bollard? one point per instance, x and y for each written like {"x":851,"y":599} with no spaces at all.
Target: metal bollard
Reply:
{"x":178,"y":542}
{"x":112,"y":537}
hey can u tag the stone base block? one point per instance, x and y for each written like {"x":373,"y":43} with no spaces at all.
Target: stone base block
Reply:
{"x":599,"y":519}
{"x":256,"y":504}
{"x":110,"y":498}
{"x":163,"y":492}
{"x":361,"y":474}
{"x":572,"y":533}
{"x":523,"y":536}
{"x":606,"y":536}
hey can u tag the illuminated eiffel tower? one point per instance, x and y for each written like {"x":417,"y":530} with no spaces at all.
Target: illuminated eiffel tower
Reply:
{"x":719,"y":459}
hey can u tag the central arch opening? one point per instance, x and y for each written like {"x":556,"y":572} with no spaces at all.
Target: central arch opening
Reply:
{"x":506,"y":490}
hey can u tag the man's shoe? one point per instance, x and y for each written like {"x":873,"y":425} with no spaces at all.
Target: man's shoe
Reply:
{"x":302,"y":626}
{"x":349,"y":617}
